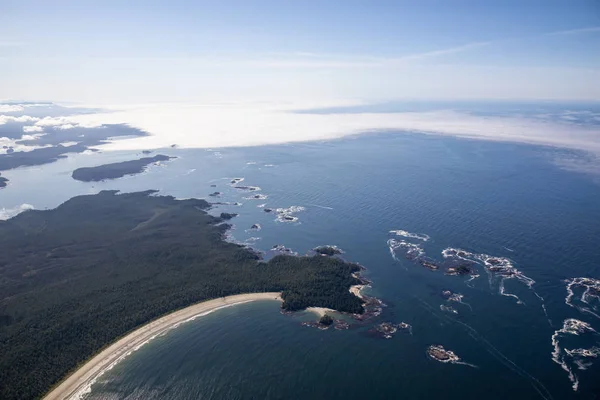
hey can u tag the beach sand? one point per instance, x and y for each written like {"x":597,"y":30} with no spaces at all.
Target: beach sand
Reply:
{"x":356,"y":290}
{"x":320,"y":311}
{"x":79,"y":383}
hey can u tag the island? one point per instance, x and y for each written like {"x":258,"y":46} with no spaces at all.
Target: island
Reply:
{"x":326,"y":320}
{"x":116,"y":170}
{"x":439,"y":353}
{"x":76,"y":278}
{"x":387,"y":329}
{"x":3,"y":181}
{"x":327,"y":250}
{"x":463,"y":268}
{"x":55,"y":143}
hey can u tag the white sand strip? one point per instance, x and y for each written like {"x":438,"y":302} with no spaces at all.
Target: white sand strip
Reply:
{"x":78,"y":384}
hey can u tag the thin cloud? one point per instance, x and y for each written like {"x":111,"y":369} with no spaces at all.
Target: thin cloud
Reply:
{"x":436,"y":53}
{"x":574,"y":31}
{"x":312,"y":60}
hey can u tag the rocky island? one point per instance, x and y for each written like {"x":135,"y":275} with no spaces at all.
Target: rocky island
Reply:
{"x":463,"y":268}
{"x":85,"y":274}
{"x":3,"y":181}
{"x":327,"y":250}
{"x":116,"y":170}
{"x":439,"y":353}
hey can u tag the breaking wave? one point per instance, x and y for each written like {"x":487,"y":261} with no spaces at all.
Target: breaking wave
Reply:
{"x":287,"y":214}
{"x":499,"y":269}
{"x":586,"y":292}
{"x":420,"y":236}
{"x":563,"y":356}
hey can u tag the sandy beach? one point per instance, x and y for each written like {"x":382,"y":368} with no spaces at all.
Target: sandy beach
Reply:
{"x":320,"y":311}
{"x":79,"y":383}
{"x":357,"y":289}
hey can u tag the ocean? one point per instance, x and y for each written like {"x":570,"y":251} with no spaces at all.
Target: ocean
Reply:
{"x":513,"y":204}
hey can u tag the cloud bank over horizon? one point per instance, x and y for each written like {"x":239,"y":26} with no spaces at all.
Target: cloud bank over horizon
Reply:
{"x":254,"y":124}
{"x":220,"y":125}
{"x":52,"y":130}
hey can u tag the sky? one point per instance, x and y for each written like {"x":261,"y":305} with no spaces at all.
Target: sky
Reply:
{"x":133,"y":52}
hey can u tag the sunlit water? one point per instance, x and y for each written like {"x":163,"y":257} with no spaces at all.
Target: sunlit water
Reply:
{"x":503,"y":200}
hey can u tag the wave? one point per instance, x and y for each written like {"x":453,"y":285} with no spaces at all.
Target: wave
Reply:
{"x":287,"y":214}
{"x":561,"y":356}
{"x":258,"y":196}
{"x":281,"y":249}
{"x":323,"y":207}
{"x":406,"y":234}
{"x":413,"y":251}
{"x":82,"y":393}
{"x":499,"y":270}
{"x":590,"y":297}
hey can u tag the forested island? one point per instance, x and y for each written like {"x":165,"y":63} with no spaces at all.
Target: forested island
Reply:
{"x":116,"y":170}
{"x":76,"y":278}
{"x":54,"y":143}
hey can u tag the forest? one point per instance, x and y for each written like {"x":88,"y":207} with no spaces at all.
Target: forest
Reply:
{"x":75,"y":278}
{"x":116,"y":170}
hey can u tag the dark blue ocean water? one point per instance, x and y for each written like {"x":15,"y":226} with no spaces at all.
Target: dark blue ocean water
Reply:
{"x":499,"y":199}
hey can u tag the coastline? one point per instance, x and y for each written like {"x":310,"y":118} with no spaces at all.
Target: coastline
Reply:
{"x":320,"y":311}
{"x":79,"y":383}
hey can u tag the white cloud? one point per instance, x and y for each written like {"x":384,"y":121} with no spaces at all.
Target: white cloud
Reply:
{"x":11,"y":108}
{"x":12,"y":144}
{"x":206,"y":126}
{"x":65,"y":126}
{"x":32,"y":128}
{"x":63,"y":123}
{"x":52,"y":121}
{"x":6,"y":213}
{"x":31,"y":137}
{"x":23,"y":118}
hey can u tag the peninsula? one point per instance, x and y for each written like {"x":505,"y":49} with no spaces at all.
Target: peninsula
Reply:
{"x":116,"y":170}
{"x":77,"y":278}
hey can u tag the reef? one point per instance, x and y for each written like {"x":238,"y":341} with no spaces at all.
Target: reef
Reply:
{"x":463,"y":268}
{"x":439,"y":353}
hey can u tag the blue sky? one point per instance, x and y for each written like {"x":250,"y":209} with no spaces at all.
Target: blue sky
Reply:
{"x":151,"y":51}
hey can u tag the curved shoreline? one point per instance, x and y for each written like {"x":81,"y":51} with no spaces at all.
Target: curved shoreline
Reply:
{"x":79,"y":382}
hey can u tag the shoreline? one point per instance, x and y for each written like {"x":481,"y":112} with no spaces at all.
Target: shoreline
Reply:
{"x":79,"y":383}
{"x":321,"y":311}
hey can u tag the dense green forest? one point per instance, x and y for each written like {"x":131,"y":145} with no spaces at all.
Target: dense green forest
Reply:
{"x":75,"y":278}
{"x":116,"y":170}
